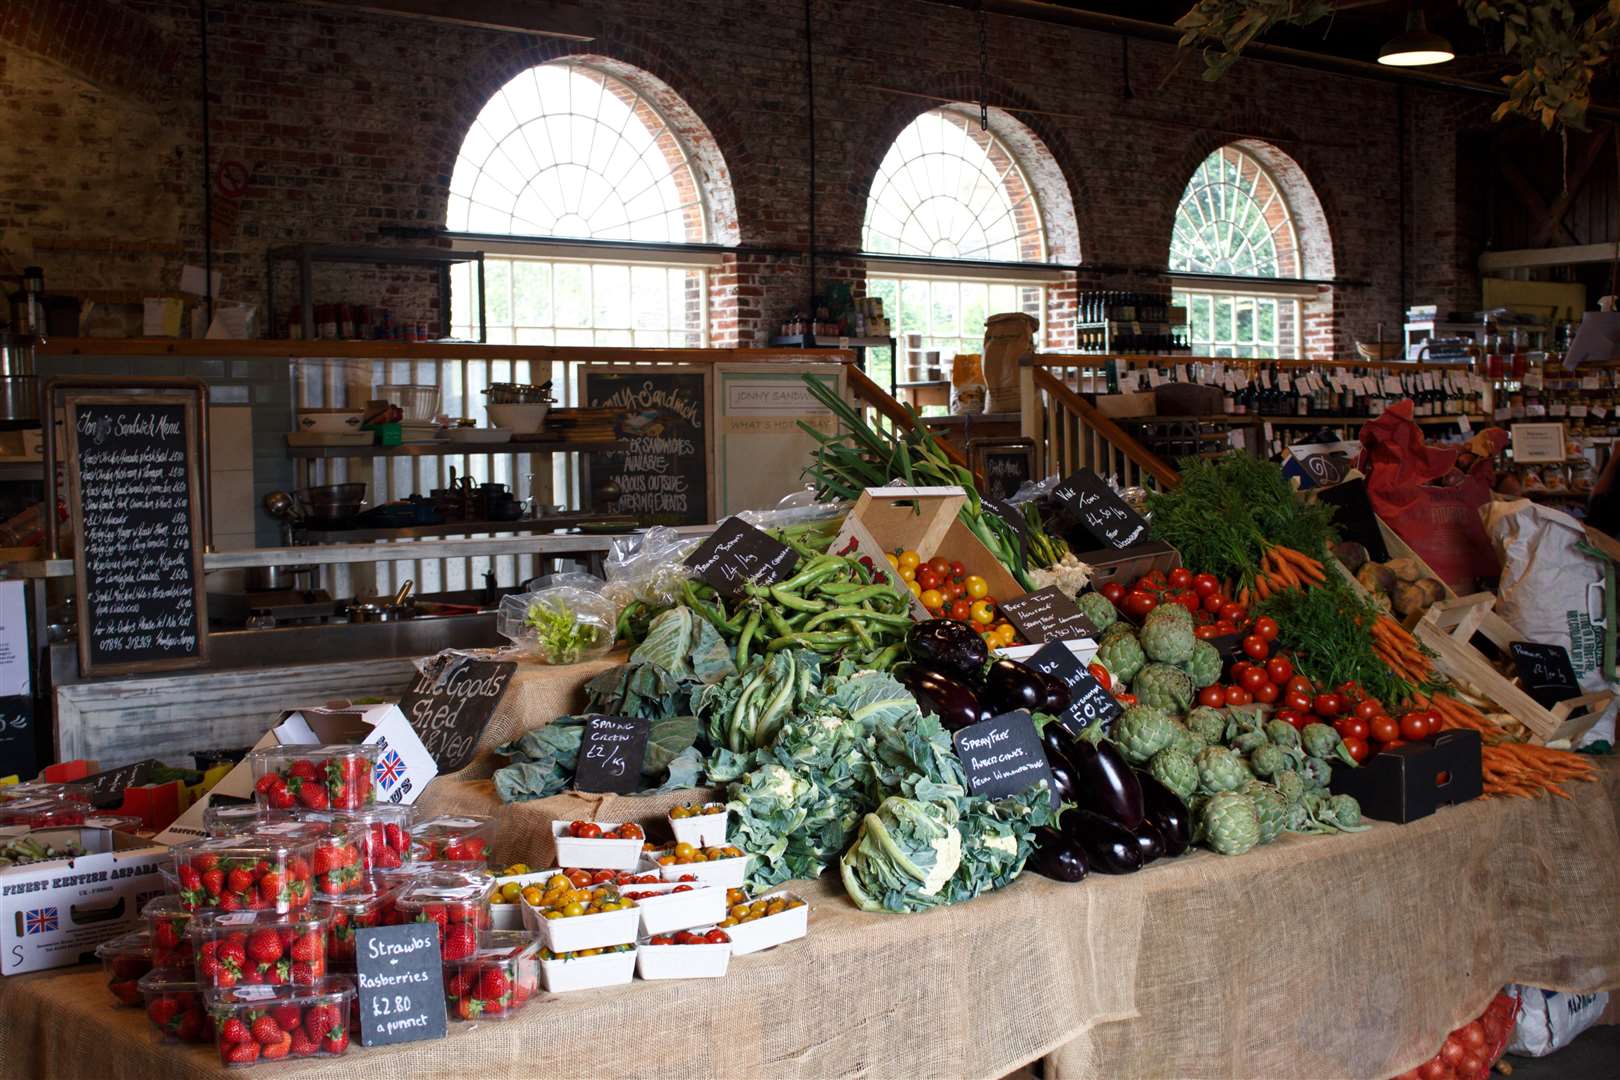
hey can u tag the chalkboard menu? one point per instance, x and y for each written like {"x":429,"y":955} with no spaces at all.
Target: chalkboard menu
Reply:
{"x":449,"y":707}
{"x":134,"y":479}
{"x":660,"y":473}
{"x":1089,"y":703}
{"x":17,"y":736}
{"x":107,"y":788}
{"x":610,"y":754}
{"x":1047,"y":615}
{"x":399,"y":980}
{"x":1087,"y":503}
{"x":1005,"y":464}
{"x":1546,"y":672}
{"x":737,"y":553}
{"x":1003,"y":756}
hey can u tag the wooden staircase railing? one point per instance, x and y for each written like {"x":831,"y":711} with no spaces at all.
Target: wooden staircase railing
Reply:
{"x":1070,"y":433}
{"x":873,"y":395}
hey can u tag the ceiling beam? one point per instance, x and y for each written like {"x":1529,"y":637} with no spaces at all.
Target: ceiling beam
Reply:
{"x":1527,"y":258}
{"x":546,"y":18}
{"x":1577,"y":180}
{"x":1530,"y":198}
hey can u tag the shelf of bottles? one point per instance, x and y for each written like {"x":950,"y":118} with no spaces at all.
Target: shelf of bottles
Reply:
{"x":1586,"y":400}
{"x":1129,"y":323}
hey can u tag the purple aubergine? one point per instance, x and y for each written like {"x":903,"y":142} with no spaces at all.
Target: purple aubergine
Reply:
{"x":1168,"y":813}
{"x":1110,"y":847}
{"x":1059,"y":857}
{"x":956,"y":705}
{"x":1057,"y":694}
{"x":1150,"y":841}
{"x":948,"y":647}
{"x":1062,"y":779}
{"x":1104,"y":783}
{"x":1010,"y":686}
{"x":1058,"y":742}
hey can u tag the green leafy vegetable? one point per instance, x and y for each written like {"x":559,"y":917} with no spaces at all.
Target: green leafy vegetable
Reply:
{"x":1328,"y":630}
{"x":562,"y":635}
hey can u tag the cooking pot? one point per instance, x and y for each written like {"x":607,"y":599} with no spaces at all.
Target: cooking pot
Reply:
{"x":391,"y":610}
{"x":277,"y":578}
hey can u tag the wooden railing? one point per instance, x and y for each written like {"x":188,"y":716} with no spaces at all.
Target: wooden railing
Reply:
{"x":1070,"y":433}
{"x":891,"y":413}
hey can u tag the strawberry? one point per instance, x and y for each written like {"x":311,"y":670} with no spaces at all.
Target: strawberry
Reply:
{"x":336,"y":1041}
{"x":306,"y":974}
{"x":264,"y":784}
{"x":319,"y":1020}
{"x":310,"y":946}
{"x":193,"y":1026}
{"x":239,"y":880}
{"x":127,"y":991}
{"x":303,"y":1045}
{"x":128,"y":967}
{"x":297,"y":868}
{"x":278,"y":1049}
{"x":234,"y":1031}
{"x":304,"y":769}
{"x":492,"y":984}
{"x":266,"y":1030}
{"x":165,"y":936}
{"x":206,"y":861}
{"x":270,"y":886}
{"x":492,"y":1007}
{"x":313,"y":796}
{"x":469,"y":1008}
{"x":327,"y":859}
{"x":162,"y":1009}
{"x":459,"y":942}
{"x":395,"y":837}
{"x":282,"y":799}
{"x":242,"y":1053}
{"x":288,"y":1016}
{"x":230,"y":902}
{"x":213,"y":881}
{"x":190,"y":877}
{"x":461,"y":983}
{"x":264,"y":947}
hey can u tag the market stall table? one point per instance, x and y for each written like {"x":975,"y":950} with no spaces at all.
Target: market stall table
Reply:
{"x":1317,"y":956}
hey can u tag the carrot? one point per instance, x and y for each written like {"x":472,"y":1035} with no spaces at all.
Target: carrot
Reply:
{"x":1287,"y":576}
{"x":1261,"y":589}
{"x":1307,"y":567}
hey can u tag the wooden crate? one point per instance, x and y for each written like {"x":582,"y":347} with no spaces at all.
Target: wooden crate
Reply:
{"x":1449,"y":628}
{"x":1125,"y":565}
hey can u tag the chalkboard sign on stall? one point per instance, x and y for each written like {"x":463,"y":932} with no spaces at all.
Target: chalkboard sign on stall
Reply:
{"x":611,"y":753}
{"x":1005,"y":464}
{"x":660,"y":474}
{"x":134,"y":495}
{"x":1546,"y":672}
{"x":1087,"y":503}
{"x":400,"y":984}
{"x":1089,"y":702}
{"x":1003,"y":756}
{"x":450,"y":707}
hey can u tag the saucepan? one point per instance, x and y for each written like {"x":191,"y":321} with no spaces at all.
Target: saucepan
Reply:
{"x":391,"y":610}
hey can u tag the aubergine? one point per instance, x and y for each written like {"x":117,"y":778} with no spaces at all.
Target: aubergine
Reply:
{"x":1010,"y":686}
{"x":1058,"y":741}
{"x":948,"y":647}
{"x":954,"y":702}
{"x":1057,"y":694}
{"x":1149,"y":840}
{"x":1110,"y":847}
{"x":1104,"y":783}
{"x":1168,"y":813}
{"x":1059,"y":857}
{"x":1062,"y":779}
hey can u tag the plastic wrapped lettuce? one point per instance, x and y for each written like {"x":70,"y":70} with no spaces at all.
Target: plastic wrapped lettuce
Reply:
{"x":906,"y":855}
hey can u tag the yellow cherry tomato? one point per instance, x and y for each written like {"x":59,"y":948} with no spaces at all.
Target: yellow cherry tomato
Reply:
{"x":908,"y":561}
{"x":1006,"y":635}
{"x":983,"y":612}
{"x":990,"y":639}
{"x":894,"y":560}
{"x":916,"y":589}
{"x":977,"y":587}
{"x":931,"y":599}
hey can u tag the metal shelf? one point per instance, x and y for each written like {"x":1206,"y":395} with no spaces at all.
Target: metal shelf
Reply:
{"x":553,"y":524}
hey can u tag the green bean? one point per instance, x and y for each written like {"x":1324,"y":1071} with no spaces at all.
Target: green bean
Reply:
{"x":857,"y":613}
{"x":747,"y":636}
{"x":860,"y":632}
{"x":790,"y":599}
{"x":809,"y":641}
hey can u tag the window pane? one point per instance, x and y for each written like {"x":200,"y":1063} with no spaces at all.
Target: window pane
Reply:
{"x":610,"y":285}
{"x":1223,"y":320}
{"x":531,"y":292}
{"x":1244,"y":310}
{"x":573,"y":294}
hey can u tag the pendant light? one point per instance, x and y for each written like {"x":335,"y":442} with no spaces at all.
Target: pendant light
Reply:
{"x":1416,"y":47}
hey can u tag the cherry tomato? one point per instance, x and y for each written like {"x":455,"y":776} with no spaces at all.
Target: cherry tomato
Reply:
{"x":716,"y":936}
{"x":1213,"y":603}
{"x":1279,"y":670}
{"x":1114,"y":591}
{"x":1328,"y":705}
{"x":1257,"y":646}
{"x":1187,"y":600}
{"x":1252,"y":679}
{"x":1125,"y":699}
{"x":1181,"y":578}
{"x":962,"y":610}
{"x":1291,"y":716}
{"x":1393,"y":743}
{"x":1299,"y":684}
{"x":1206,"y":585}
{"x":1266,"y":627}
{"x":1350,"y":726}
{"x":1137,"y":604}
{"x":984,"y":612}
{"x":1384,"y":728}
{"x":958,"y":571}
{"x":953,"y":590}
{"x":1238,"y":668}
{"x":1205,"y":632}
{"x":1224,"y":627}
{"x":589,"y":830}
{"x":927,"y":579}
{"x":1238,"y":696}
{"x":1213,"y":696}
{"x":1435,"y":720}
{"x":1267,"y":692}
{"x":1367,"y":708}
{"x":940,"y":566}
{"x":978,"y":588}
{"x":1414,"y":726}
{"x":931,"y":599}
{"x":1100,"y":673}
{"x":1296,"y":701}
{"x":1234,"y":614}
{"x":1358,"y":748}
{"x":1350,"y":691}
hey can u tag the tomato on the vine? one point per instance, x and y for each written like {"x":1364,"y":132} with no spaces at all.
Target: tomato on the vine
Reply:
{"x":1213,"y":603}
{"x":1257,"y":646}
{"x":1328,"y":705}
{"x":1238,"y":696}
{"x":1206,"y":585}
{"x":1205,"y":632}
{"x":1181,"y":578}
{"x":1252,"y":679}
{"x":1234,"y":613}
{"x":1367,"y":708}
{"x":1137,"y":604}
{"x":1213,"y":696}
{"x":1267,"y":692}
{"x":1279,"y":670}
{"x":1351,"y":726}
{"x":1384,"y":728}
{"x":1414,"y":726}
{"x":1114,"y":591}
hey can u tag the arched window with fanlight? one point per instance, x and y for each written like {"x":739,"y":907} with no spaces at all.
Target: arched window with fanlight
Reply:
{"x":962,"y":202}
{"x":1235,"y":256}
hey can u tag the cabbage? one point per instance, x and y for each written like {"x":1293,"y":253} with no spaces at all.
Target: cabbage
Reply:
{"x":907,"y":853}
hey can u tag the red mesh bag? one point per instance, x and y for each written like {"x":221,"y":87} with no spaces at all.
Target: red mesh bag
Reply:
{"x":1482,"y":1042}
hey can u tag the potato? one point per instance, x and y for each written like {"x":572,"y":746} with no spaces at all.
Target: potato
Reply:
{"x":1408,"y":599}
{"x":1434,"y":591}
{"x":1406,"y":570}
{"x":1375,"y":578}
{"x":1352,"y":554}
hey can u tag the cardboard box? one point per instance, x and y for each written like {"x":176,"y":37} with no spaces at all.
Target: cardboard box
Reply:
{"x":895,"y":519}
{"x":1135,"y":403}
{"x":54,"y":914}
{"x":402,"y":774}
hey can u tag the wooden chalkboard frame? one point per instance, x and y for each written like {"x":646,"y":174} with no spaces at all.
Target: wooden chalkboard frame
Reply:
{"x":585,"y":371}
{"x":980,"y":451}
{"x":71,"y":401}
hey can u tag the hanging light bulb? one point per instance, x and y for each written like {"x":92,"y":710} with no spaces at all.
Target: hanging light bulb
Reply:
{"x":1416,"y":47}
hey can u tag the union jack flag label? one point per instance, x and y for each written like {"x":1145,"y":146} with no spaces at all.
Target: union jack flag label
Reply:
{"x":390,"y":770}
{"x":40,"y":920}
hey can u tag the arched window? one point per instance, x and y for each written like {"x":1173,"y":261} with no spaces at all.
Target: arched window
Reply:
{"x":1234,"y":221}
{"x":949,"y":190}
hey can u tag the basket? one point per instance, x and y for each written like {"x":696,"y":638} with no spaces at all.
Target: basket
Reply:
{"x":419,"y":403}
{"x":1379,"y":352}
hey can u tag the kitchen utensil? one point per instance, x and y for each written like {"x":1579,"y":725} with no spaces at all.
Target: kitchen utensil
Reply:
{"x":329,"y":504}
{"x":276,"y":578}
{"x":519,"y":419}
{"x":418,"y":403}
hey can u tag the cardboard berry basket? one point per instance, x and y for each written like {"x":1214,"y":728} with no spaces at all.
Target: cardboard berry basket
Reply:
{"x":769,"y":931}
{"x":573,"y":933}
{"x":722,"y":873}
{"x":664,"y":910}
{"x":561,"y":974}
{"x":595,"y":854}
{"x":683,"y":961}
{"x":700,"y":830}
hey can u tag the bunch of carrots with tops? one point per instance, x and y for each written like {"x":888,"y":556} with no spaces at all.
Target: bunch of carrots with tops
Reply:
{"x":1281,"y":568}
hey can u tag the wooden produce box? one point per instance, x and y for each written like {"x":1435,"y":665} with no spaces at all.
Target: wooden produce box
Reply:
{"x":922,"y":520}
{"x":1448,"y":629}
{"x":1125,"y":565}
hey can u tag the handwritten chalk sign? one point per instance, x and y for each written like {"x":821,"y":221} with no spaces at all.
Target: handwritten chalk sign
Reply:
{"x":1546,"y":672}
{"x":736,"y":553}
{"x":1047,"y":615}
{"x":1003,"y":756}
{"x":107,"y":787}
{"x":399,"y":981}
{"x":134,"y":495}
{"x":1089,"y":703}
{"x":1086,"y":502}
{"x":659,"y":472}
{"x":449,"y":709}
{"x":611,"y":753}
{"x":17,"y":753}
{"x":1005,"y":464}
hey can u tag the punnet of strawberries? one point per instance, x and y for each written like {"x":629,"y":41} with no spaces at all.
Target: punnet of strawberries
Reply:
{"x":346,"y":914}
{"x":288,"y":1023}
{"x":458,"y":903}
{"x":497,"y":982}
{"x":244,"y":873}
{"x":383,"y":833}
{"x":462,"y":839}
{"x":174,"y":1004}
{"x":124,"y":960}
{"x":167,"y":925}
{"x":260,"y":948}
{"x":314,"y":777}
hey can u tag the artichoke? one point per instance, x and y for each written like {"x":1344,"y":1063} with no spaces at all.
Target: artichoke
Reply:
{"x":1163,"y":687}
{"x":1271,"y":807}
{"x":1142,"y":732}
{"x":1250,"y":741}
{"x":1168,"y":641}
{"x":1116,"y":630}
{"x":1342,"y":812}
{"x":1098,"y":610}
{"x":1290,"y":786}
{"x":1174,"y":769}
{"x":1316,"y":773}
{"x":1122,"y":655}
{"x":1320,"y":741}
{"x":1208,"y":724}
{"x":1268,"y":760}
{"x":1220,"y":769}
{"x":1188,"y":742}
{"x":1204,"y":666}
{"x":1283,"y":734}
{"x":1168,"y":612}
{"x":1229,"y":823}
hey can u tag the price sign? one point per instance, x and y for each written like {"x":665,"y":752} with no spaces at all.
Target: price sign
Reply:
{"x":1087,"y":502}
{"x":1538,"y":443}
{"x":737,"y":553}
{"x":1047,"y":615}
{"x":610,"y":754}
{"x":107,"y":788}
{"x":1003,"y":756}
{"x":1089,"y":703}
{"x":1546,"y":672}
{"x":449,"y":707}
{"x":400,"y":979}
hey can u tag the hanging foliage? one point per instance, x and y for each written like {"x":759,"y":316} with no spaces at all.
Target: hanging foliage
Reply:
{"x":1223,"y":28}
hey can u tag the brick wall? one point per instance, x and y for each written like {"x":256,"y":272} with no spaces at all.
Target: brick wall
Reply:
{"x":333,"y":127}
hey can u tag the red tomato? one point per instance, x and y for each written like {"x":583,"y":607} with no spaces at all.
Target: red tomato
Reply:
{"x":1351,"y":727}
{"x":1358,"y":748}
{"x":1213,"y":603}
{"x":1299,"y":684}
{"x":1267,"y":692}
{"x":1291,"y":716}
{"x":1394,"y":743}
{"x":1114,"y":591}
{"x":940,"y":566}
{"x":927,"y":579}
{"x":1238,"y":696}
{"x":1279,"y":670}
{"x":1137,"y":604}
{"x":1328,"y":705}
{"x":1224,"y":627}
{"x":1181,"y":578}
{"x":1234,"y":614}
{"x":1238,"y":668}
{"x":1296,"y":701}
{"x":1205,"y":632}
{"x":589,"y":830}
{"x":1206,"y":585}
{"x":1100,"y":673}
{"x":1350,"y":691}
{"x":958,"y":571}
{"x":962,"y":610}
{"x":1266,"y":627}
{"x":1435,"y":720}
{"x":1257,"y":646}
{"x":1414,"y":726}
{"x":1213,"y":696}
{"x":1252,"y":679}
{"x":1384,"y":728}
{"x":1367,"y":709}
{"x":1125,"y":699}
